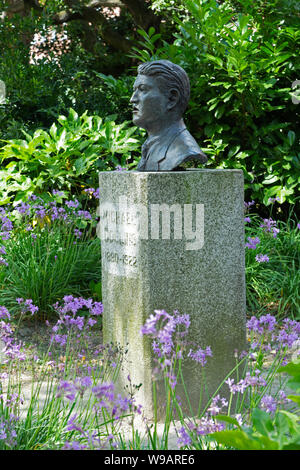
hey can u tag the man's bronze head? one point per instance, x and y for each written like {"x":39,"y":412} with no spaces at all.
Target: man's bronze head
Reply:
{"x":170,"y":78}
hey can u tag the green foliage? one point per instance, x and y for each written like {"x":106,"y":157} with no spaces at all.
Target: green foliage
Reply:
{"x":273,"y":286}
{"x":242,"y":59}
{"x":72,"y":151}
{"x":267,"y":432}
{"x":46,"y":260}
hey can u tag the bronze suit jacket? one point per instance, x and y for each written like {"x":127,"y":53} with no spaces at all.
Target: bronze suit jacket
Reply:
{"x":169,"y":150}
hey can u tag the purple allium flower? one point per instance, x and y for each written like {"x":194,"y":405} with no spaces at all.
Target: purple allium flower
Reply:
{"x":2,"y":250}
{"x":269,"y":404}
{"x":271,"y":200}
{"x":269,"y":225}
{"x":96,"y":194}
{"x":104,"y":390}
{"x":56,"y":192}
{"x":298,"y":225}
{"x":72,"y":204}
{"x":252,"y":243}
{"x":66,"y":389}
{"x":208,"y":425}
{"x":4,"y":312}
{"x":248,"y":204}
{"x":200,"y":355}
{"x":84,"y":214}
{"x":215,"y":406}
{"x":23,"y":208}
{"x":262,"y":258}
{"x":247,"y":220}
{"x":184,"y":438}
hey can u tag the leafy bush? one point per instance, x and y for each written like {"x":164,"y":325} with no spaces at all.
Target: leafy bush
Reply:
{"x":242,"y":60}
{"x":69,"y":154}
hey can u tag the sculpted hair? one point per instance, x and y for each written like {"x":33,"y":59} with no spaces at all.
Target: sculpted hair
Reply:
{"x":170,"y":76}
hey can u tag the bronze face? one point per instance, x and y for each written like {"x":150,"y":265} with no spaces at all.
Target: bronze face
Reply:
{"x":149,"y":103}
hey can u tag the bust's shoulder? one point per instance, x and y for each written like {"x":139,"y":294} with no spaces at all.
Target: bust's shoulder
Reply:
{"x":184,"y":142}
{"x":182,"y":148}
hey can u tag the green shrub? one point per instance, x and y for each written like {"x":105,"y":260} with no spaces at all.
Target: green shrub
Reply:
{"x":242,"y":59}
{"x":69,"y":154}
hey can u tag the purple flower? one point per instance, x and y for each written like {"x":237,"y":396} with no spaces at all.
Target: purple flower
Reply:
{"x":200,"y":355}
{"x":23,"y":208}
{"x":4,"y":313}
{"x":269,"y":404}
{"x":56,"y":192}
{"x":66,"y":389}
{"x":27,"y":306}
{"x":104,"y":390}
{"x":84,"y":214}
{"x":208,"y":425}
{"x":269,"y":225}
{"x":72,"y":204}
{"x":271,"y":200}
{"x":249,"y":381}
{"x":184,"y":438}
{"x":252,"y":243}
{"x":262,"y":258}
{"x":215,"y":407}
{"x":247,"y":220}
{"x":248,"y":204}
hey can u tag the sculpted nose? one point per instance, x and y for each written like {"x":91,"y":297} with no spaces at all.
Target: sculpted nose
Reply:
{"x":133,"y":98}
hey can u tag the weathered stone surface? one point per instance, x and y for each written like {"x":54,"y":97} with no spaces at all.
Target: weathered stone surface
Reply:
{"x":203,"y":278}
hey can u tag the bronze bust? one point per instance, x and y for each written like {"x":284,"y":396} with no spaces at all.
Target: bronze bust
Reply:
{"x":160,"y":97}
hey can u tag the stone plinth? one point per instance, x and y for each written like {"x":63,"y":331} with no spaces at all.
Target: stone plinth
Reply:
{"x":174,"y":241}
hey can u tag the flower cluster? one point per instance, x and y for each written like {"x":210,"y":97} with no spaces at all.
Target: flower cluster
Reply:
{"x":8,"y":432}
{"x":269,"y":226}
{"x":70,"y":319}
{"x":27,"y":306}
{"x":269,"y":335}
{"x":247,"y":205}
{"x":252,"y":243}
{"x":6,"y":226}
{"x":104,"y":398}
{"x":200,"y":355}
{"x":262,"y":258}
{"x":203,"y":426}
{"x":92,"y":192}
{"x":70,"y":212}
{"x":164,"y":329}
{"x":249,"y":381}
{"x":12,"y":351}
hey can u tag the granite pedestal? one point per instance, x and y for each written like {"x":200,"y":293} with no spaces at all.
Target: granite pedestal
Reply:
{"x":174,"y":241}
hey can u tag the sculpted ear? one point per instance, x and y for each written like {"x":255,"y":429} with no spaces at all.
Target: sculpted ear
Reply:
{"x":173,"y":98}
